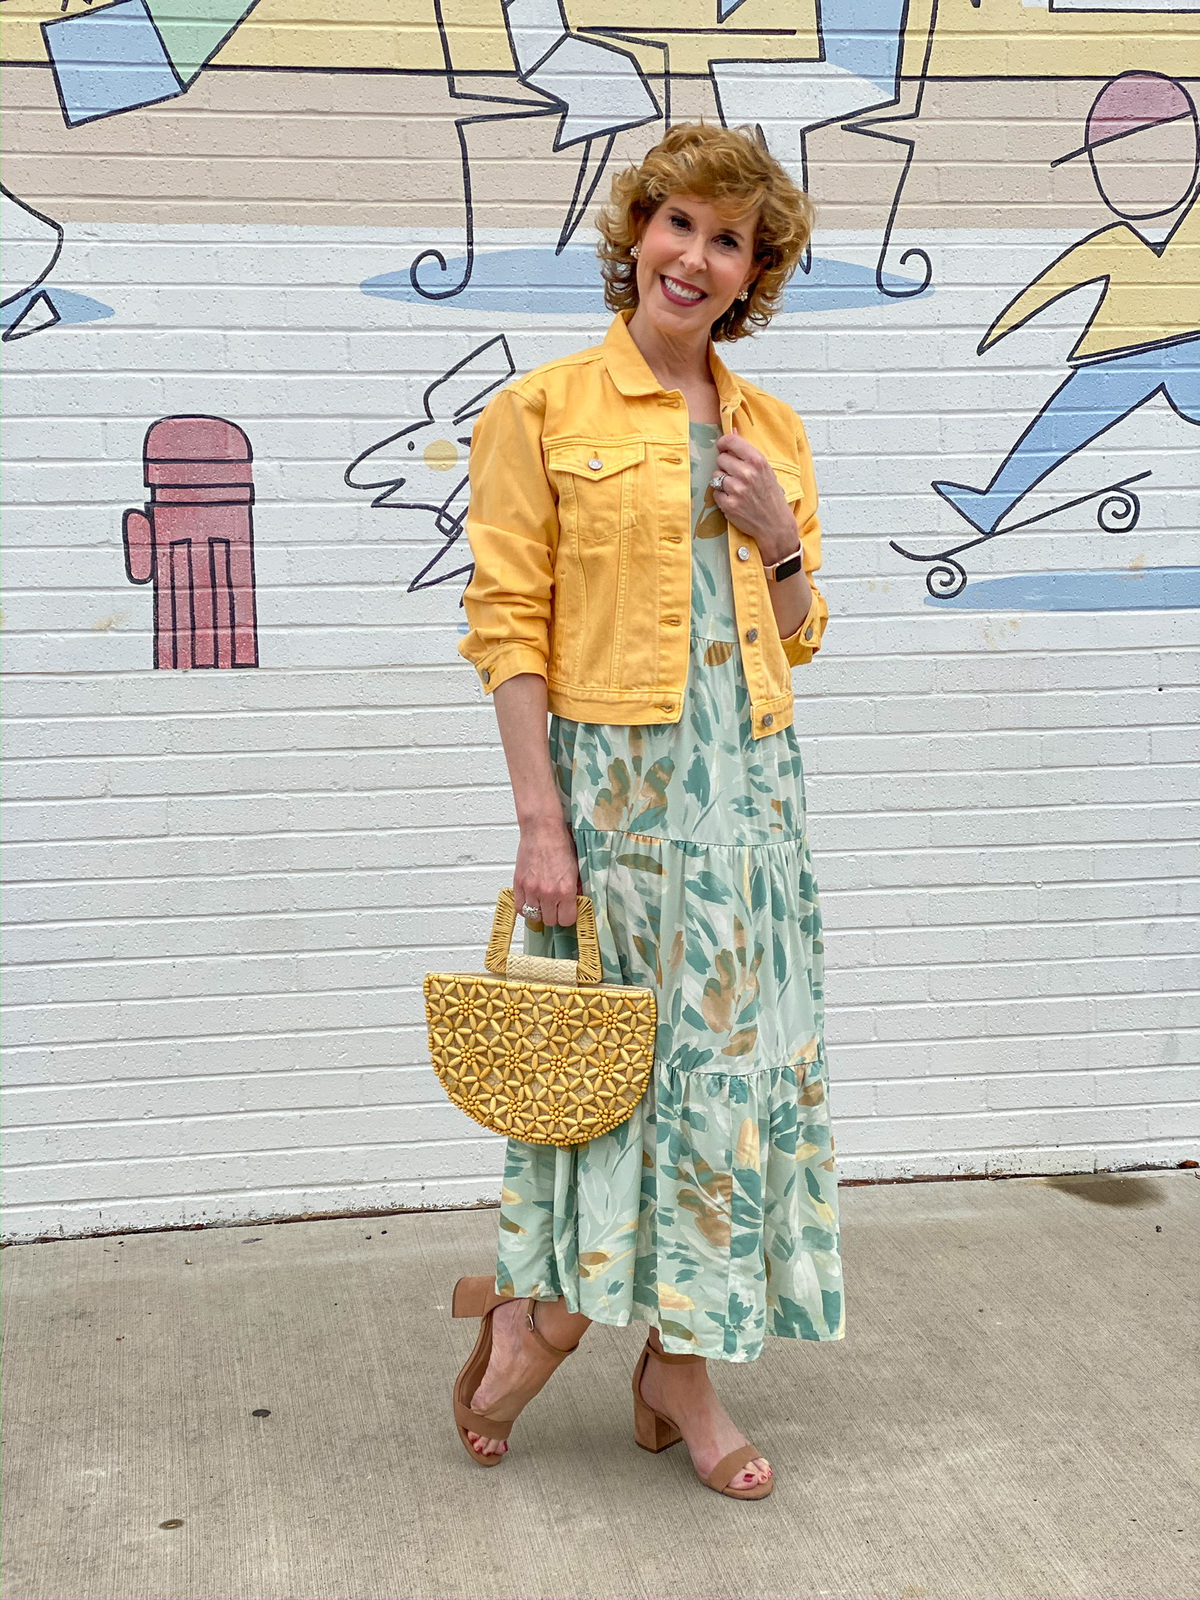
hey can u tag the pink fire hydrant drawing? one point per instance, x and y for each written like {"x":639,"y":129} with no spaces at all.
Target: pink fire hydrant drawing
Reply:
{"x":195,"y":542}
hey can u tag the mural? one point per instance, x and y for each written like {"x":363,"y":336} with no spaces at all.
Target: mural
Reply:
{"x":135,"y":52}
{"x":1143,"y":336}
{"x":466,"y":142}
{"x":594,"y":90}
{"x":195,"y":543}
{"x":32,"y":245}
{"x":412,"y":466}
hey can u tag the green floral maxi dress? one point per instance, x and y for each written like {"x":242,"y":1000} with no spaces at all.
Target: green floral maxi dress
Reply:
{"x":712,"y":1212}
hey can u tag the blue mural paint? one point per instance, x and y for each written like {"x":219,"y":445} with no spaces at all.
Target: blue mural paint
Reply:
{"x":1150,"y":589}
{"x":108,"y":61}
{"x":534,"y":280}
{"x":70,"y":307}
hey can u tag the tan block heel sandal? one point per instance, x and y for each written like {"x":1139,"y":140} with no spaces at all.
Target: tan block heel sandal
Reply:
{"x":477,"y":1297}
{"x":655,"y":1432}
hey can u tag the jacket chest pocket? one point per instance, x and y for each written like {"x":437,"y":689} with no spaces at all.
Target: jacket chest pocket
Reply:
{"x":790,"y":478}
{"x":598,"y":486}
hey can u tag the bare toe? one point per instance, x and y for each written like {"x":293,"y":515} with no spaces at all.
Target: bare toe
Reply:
{"x":758,"y":1471}
{"x":486,"y":1447}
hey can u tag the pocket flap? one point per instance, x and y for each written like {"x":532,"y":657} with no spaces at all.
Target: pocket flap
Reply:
{"x":791,"y":480}
{"x":595,"y":461}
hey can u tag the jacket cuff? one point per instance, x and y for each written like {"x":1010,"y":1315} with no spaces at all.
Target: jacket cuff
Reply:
{"x":800,"y":647}
{"x":506,"y":661}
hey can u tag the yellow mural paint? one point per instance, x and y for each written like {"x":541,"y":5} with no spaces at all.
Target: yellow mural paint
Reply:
{"x":758,"y":30}
{"x":403,"y":35}
{"x":441,"y":455}
{"x":1017,"y":39}
{"x":317,"y":34}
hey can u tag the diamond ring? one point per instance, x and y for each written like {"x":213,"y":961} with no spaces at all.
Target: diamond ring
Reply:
{"x":717,"y":481}
{"x":534,"y":913}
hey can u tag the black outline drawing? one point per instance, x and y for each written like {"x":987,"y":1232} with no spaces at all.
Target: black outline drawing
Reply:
{"x":660,"y":39}
{"x":81,"y":18}
{"x":1120,"y":507}
{"x":234,"y":605}
{"x":448,"y":518}
{"x":1118,"y":512}
{"x":21,"y":327}
{"x":15,"y":329}
{"x":591,"y":165}
{"x":868,"y":130}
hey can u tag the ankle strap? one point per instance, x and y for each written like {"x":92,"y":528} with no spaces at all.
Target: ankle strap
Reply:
{"x":550,"y":1349}
{"x":662,"y":1355}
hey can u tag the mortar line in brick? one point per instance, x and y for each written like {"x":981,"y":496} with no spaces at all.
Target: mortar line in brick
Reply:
{"x":908,"y":735}
{"x":266,"y":672}
{"x":323,"y":953}
{"x":224,"y":714}
{"x":828,"y":897}
{"x":828,"y":855}
{"x":421,"y":1068}
{"x":149,"y":841}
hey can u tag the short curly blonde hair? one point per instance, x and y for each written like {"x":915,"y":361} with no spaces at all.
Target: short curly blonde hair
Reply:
{"x":731,"y":169}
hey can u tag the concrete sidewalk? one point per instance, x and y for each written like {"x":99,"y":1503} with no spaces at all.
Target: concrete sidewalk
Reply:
{"x":1013,"y":1413}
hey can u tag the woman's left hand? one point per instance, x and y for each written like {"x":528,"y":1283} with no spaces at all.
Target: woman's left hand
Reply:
{"x":752,"y":499}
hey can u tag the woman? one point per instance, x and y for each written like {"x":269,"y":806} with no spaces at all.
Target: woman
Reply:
{"x":616,"y":495}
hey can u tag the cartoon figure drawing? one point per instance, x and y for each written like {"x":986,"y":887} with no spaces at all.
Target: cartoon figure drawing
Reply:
{"x":861,"y":44}
{"x":422,"y":467}
{"x":595,"y":90}
{"x":32,"y":246}
{"x":195,"y":543}
{"x":1143,"y":338}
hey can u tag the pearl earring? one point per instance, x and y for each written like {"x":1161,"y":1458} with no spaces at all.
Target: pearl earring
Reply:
{"x":636,"y":251}
{"x":743,"y":294}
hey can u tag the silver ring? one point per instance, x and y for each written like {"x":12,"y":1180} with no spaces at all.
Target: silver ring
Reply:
{"x":717,"y":481}
{"x":534,"y":913}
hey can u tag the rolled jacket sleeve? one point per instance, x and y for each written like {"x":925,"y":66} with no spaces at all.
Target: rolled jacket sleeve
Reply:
{"x":801,"y":646}
{"x":512,"y":527}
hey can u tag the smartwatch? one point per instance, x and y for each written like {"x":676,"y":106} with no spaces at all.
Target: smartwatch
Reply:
{"x":786,"y":568}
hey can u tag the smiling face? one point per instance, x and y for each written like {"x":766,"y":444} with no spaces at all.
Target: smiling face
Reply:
{"x":692,"y":262}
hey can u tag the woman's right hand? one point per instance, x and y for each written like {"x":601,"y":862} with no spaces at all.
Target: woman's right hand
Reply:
{"x":547,"y":871}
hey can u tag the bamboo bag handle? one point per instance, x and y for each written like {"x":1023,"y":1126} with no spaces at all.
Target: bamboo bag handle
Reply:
{"x":506,"y":962}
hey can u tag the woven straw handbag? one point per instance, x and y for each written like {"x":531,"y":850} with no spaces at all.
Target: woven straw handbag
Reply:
{"x":537,"y":1048}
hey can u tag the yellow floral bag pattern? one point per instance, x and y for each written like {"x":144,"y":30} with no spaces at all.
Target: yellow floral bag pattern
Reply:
{"x":550,"y":1062}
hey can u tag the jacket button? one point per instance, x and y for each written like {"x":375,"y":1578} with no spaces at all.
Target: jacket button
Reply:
{"x":668,"y":708}
{"x":487,"y":677}
{"x":751,"y":635}
{"x":768,"y":720}
{"x":743,"y":553}
{"x":808,"y":633}
{"x":595,"y":463}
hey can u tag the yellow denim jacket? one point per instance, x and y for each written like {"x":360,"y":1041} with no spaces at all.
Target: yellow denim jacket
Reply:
{"x":580,"y":526}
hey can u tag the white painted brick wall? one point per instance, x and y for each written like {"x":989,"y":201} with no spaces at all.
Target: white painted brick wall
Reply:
{"x":224,"y":888}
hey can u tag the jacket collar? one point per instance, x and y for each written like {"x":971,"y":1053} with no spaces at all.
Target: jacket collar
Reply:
{"x":629,"y":370}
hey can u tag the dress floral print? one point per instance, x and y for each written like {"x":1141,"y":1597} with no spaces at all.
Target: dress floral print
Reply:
{"x":712,"y":1212}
